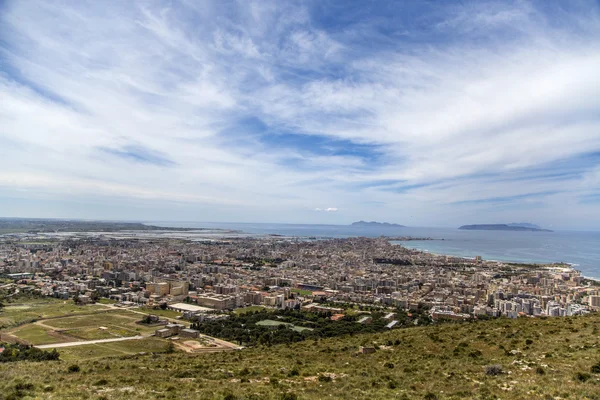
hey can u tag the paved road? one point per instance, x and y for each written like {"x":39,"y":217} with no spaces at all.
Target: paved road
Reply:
{"x":69,"y":344}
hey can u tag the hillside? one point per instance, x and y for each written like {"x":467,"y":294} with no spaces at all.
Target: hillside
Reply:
{"x":550,"y":358}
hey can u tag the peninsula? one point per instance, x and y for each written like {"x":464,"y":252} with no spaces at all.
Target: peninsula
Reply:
{"x":502,"y":227}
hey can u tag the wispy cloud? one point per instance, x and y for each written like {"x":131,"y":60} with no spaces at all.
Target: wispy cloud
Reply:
{"x":138,"y":154}
{"x":436,"y":111}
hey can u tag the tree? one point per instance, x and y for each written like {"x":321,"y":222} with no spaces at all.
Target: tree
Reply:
{"x":170,"y":348}
{"x":163,"y":306}
{"x":95,"y":296}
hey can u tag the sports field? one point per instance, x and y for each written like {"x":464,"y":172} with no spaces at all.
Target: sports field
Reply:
{"x":102,"y":325}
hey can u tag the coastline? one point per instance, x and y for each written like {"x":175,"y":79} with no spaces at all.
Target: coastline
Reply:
{"x":558,"y":267}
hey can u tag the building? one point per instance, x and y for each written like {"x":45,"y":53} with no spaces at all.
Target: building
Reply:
{"x":189,"y":333}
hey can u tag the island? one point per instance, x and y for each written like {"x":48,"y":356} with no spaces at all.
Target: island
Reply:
{"x":502,"y":227}
{"x":377,"y":224}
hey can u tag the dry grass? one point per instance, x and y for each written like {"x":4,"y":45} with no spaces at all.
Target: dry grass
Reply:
{"x":539,"y":358}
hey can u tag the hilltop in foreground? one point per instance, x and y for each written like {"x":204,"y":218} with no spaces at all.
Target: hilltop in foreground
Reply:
{"x":543,"y":358}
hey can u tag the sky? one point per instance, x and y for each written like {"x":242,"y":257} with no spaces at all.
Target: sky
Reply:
{"x":428,"y":113}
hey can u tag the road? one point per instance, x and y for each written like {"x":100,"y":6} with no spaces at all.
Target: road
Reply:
{"x":69,"y":344}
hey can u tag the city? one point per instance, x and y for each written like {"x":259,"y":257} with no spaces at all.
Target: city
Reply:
{"x":206,"y":280}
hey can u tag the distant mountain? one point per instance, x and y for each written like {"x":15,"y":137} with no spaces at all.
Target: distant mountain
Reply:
{"x":525,"y":225}
{"x":503,"y":227}
{"x":377,"y":224}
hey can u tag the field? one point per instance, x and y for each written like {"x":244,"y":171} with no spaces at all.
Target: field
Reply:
{"x":302,"y":292}
{"x":161,"y":313}
{"x":102,"y":325}
{"x":505,"y":359}
{"x":248,"y":309}
{"x":27,"y":310}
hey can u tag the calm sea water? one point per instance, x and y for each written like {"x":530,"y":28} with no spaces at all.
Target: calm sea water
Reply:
{"x":579,"y":248}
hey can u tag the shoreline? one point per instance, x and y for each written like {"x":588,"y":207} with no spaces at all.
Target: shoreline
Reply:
{"x":568,"y":267}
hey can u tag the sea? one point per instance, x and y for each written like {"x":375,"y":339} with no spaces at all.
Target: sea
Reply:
{"x":580,"y":249}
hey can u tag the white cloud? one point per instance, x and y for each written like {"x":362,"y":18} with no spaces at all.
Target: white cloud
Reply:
{"x":440,"y":116}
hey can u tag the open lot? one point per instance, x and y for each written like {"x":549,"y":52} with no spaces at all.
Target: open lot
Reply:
{"x":159,"y":312}
{"x":102,"y":325}
{"x":28,"y":310}
{"x":248,"y":309}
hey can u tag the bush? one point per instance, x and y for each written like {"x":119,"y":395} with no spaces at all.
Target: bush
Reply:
{"x":73,"y":368}
{"x":101,"y":382}
{"x":475,"y":354}
{"x":430,"y":396}
{"x":582,"y":376}
{"x":289,"y":396}
{"x":540,"y":371}
{"x":388,"y":365}
{"x":493,"y":370}
{"x":595,"y":369}
{"x":324,"y":378}
{"x":528,"y":342}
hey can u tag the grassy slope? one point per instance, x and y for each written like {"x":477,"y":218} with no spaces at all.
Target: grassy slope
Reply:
{"x":445,"y":361}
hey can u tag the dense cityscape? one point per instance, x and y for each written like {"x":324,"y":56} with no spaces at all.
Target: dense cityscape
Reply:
{"x":206,"y":280}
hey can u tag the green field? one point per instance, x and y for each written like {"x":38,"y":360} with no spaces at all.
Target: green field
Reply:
{"x":102,"y":325}
{"x":35,"y":334}
{"x":302,"y":292}
{"x":28,"y":310}
{"x":118,"y":323}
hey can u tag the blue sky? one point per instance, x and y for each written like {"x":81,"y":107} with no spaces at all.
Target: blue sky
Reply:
{"x":429,"y":113}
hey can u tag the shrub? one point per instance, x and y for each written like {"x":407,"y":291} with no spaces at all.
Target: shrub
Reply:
{"x":475,"y":354}
{"x":595,"y":369}
{"x":289,"y":396}
{"x":540,"y":371}
{"x":582,"y":376}
{"x":493,"y":370}
{"x":73,"y":368}
{"x":389,"y":365}
{"x":100,"y":382}
{"x":528,"y":342}
{"x":430,"y":396}
{"x":324,"y":378}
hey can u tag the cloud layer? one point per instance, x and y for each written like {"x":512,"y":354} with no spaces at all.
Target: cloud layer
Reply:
{"x":265,"y":111}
